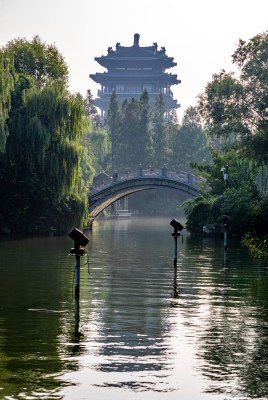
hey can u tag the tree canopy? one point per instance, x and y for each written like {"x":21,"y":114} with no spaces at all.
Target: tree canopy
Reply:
{"x":42,"y":62}
{"x":141,"y":134}
{"x":41,"y":131}
{"x":234,"y":110}
{"x":239,"y":105}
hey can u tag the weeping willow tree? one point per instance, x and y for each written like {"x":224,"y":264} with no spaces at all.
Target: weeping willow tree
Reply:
{"x":7,"y":81}
{"x":43,"y":159}
{"x":40,"y":169}
{"x":101,"y":145}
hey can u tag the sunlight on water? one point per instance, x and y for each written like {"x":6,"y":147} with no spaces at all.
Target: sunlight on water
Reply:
{"x":143,"y":331}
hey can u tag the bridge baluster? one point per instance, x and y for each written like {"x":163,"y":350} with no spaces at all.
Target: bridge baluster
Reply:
{"x":190,"y":178}
{"x":115,"y":176}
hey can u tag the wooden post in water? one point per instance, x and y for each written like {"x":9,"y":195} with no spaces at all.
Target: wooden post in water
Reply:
{"x":77,"y":276}
{"x":177,"y":227}
{"x":225,"y":258}
{"x":225,"y":239}
{"x":226,"y":225}
{"x":76,"y":314}
{"x":175,"y":248}
{"x":175,"y":289}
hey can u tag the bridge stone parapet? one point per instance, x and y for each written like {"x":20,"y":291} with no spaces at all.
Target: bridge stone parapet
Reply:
{"x":106,"y":191}
{"x":168,"y":173}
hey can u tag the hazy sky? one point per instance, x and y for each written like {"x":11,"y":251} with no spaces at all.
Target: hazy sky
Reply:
{"x":201,"y":35}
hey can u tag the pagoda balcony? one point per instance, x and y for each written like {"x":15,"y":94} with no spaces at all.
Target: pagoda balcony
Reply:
{"x":120,"y":91}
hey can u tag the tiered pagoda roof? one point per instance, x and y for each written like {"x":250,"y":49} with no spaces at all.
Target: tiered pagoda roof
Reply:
{"x":131,"y":70}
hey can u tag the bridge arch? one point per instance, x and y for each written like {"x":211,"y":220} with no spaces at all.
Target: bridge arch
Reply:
{"x":106,"y":190}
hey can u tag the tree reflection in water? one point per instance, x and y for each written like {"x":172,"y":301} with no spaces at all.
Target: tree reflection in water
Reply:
{"x":198,"y":332}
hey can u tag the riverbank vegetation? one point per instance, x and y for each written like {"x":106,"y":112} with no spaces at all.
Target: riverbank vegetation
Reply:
{"x":234,"y":111}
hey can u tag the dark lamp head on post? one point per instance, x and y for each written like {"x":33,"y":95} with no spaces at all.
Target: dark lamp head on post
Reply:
{"x":226,"y":220}
{"x":136,"y":39}
{"x":176,"y":225}
{"x":78,"y":237}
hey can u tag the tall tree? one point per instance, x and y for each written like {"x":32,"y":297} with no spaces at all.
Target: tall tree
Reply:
{"x":172,"y":134}
{"x":40,"y":167}
{"x":130,"y":138}
{"x":97,"y":145}
{"x":113,"y":123}
{"x":239,"y":106}
{"x":7,"y":82}
{"x":187,"y":142}
{"x":192,"y":140}
{"x":160,"y":131}
{"x":91,"y":109}
{"x":42,"y":159}
{"x":42,"y":62}
{"x":144,"y":139}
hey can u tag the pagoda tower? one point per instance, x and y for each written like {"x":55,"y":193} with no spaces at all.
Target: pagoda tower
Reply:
{"x":131,"y":70}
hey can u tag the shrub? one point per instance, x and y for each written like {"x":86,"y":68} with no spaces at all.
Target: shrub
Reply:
{"x":239,"y":205}
{"x":261,"y":218}
{"x":258,"y":247}
{"x":197,"y":212}
{"x":215,"y":209}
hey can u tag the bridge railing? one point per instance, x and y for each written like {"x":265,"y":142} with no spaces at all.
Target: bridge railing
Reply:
{"x":162,"y":172}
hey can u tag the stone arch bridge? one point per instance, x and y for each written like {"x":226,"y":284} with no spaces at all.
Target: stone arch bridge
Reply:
{"x":107,"y":190}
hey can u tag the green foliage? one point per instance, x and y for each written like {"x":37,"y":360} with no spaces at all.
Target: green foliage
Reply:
{"x":129,"y":132}
{"x":113,"y":122}
{"x":189,"y":144}
{"x":141,"y":135}
{"x":96,"y":147}
{"x":261,"y":218}
{"x":144,"y":134}
{"x":258,"y":247}
{"x":218,"y":105}
{"x":8,"y":79}
{"x":42,"y":62}
{"x":239,"y":205}
{"x":257,"y":240}
{"x":232,"y":106}
{"x":172,"y":138}
{"x":215,"y":209}
{"x":197,"y":212}
{"x":240,"y":172}
{"x":160,"y":139}
{"x":40,"y":167}
{"x":91,"y":109}
{"x":236,"y":197}
{"x":129,"y":143}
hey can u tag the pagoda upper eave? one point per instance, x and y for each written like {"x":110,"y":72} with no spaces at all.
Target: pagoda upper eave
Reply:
{"x":111,"y":62}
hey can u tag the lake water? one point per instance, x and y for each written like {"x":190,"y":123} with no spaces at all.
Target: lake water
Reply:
{"x":141,"y":331}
